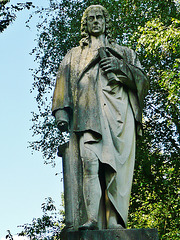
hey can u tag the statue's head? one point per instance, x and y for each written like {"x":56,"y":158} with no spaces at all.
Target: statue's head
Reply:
{"x":95,"y":21}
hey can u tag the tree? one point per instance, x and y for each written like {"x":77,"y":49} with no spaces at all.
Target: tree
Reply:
{"x":161,"y":168}
{"x":9,"y":235}
{"x":8,"y":12}
{"x":152,"y":29}
{"x":48,"y":226}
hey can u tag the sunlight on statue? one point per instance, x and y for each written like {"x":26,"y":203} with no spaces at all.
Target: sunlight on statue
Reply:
{"x":98,"y":98}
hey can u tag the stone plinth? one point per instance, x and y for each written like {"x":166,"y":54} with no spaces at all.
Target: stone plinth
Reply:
{"x":126,"y":234}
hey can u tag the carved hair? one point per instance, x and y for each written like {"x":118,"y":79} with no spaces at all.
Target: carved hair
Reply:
{"x":84,"y":31}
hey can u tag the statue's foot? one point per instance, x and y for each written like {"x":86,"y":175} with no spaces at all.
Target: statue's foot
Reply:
{"x":90,"y":225}
{"x":115,"y":226}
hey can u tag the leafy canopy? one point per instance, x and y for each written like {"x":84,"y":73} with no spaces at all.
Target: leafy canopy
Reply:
{"x":8,"y":12}
{"x":152,"y":28}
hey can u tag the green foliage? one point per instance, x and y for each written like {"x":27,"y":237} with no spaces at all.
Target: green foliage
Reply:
{"x":48,"y":227}
{"x":9,"y":235}
{"x":8,"y":12}
{"x":59,"y":32}
{"x":155,"y":196}
{"x":156,"y":214}
{"x":152,"y":29}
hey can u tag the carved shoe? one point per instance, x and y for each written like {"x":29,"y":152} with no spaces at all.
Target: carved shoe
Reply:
{"x":90,"y":225}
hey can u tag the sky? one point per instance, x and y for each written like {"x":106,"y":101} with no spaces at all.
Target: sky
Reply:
{"x":25,"y":181}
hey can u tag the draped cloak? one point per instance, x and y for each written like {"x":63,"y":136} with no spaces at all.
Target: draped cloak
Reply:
{"x":108,"y":115}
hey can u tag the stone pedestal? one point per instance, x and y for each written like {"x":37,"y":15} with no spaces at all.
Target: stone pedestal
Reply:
{"x":126,"y":234}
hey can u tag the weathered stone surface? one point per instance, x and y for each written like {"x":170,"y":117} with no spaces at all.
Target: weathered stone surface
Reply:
{"x":126,"y":234}
{"x":98,"y":98}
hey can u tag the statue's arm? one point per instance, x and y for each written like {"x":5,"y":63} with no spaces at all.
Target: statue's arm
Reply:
{"x":61,"y":103}
{"x":124,"y":69}
{"x":62,"y":120}
{"x":120,"y":68}
{"x":128,"y":69}
{"x":136,"y":78}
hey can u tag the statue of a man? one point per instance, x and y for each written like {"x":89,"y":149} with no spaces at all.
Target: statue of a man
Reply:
{"x":98,"y":97}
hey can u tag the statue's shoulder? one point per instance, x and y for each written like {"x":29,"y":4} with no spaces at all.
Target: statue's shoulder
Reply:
{"x":123,"y":49}
{"x":128,"y":54}
{"x":72,"y":52}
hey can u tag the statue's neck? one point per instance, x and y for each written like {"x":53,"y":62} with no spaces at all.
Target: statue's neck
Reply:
{"x":97,"y":42}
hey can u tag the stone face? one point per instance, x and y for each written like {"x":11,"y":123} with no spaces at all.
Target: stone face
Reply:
{"x":127,"y":234}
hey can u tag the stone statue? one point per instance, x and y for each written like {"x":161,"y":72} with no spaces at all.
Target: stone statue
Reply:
{"x":98,"y":98}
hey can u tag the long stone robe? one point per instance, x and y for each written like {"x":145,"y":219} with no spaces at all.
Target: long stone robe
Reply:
{"x":109,"y":116}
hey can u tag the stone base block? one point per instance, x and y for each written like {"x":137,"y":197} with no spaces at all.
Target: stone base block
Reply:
{"x":107,"y":234}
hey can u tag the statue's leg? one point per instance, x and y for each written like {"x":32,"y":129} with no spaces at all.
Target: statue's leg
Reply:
{"x":91,"y":185}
